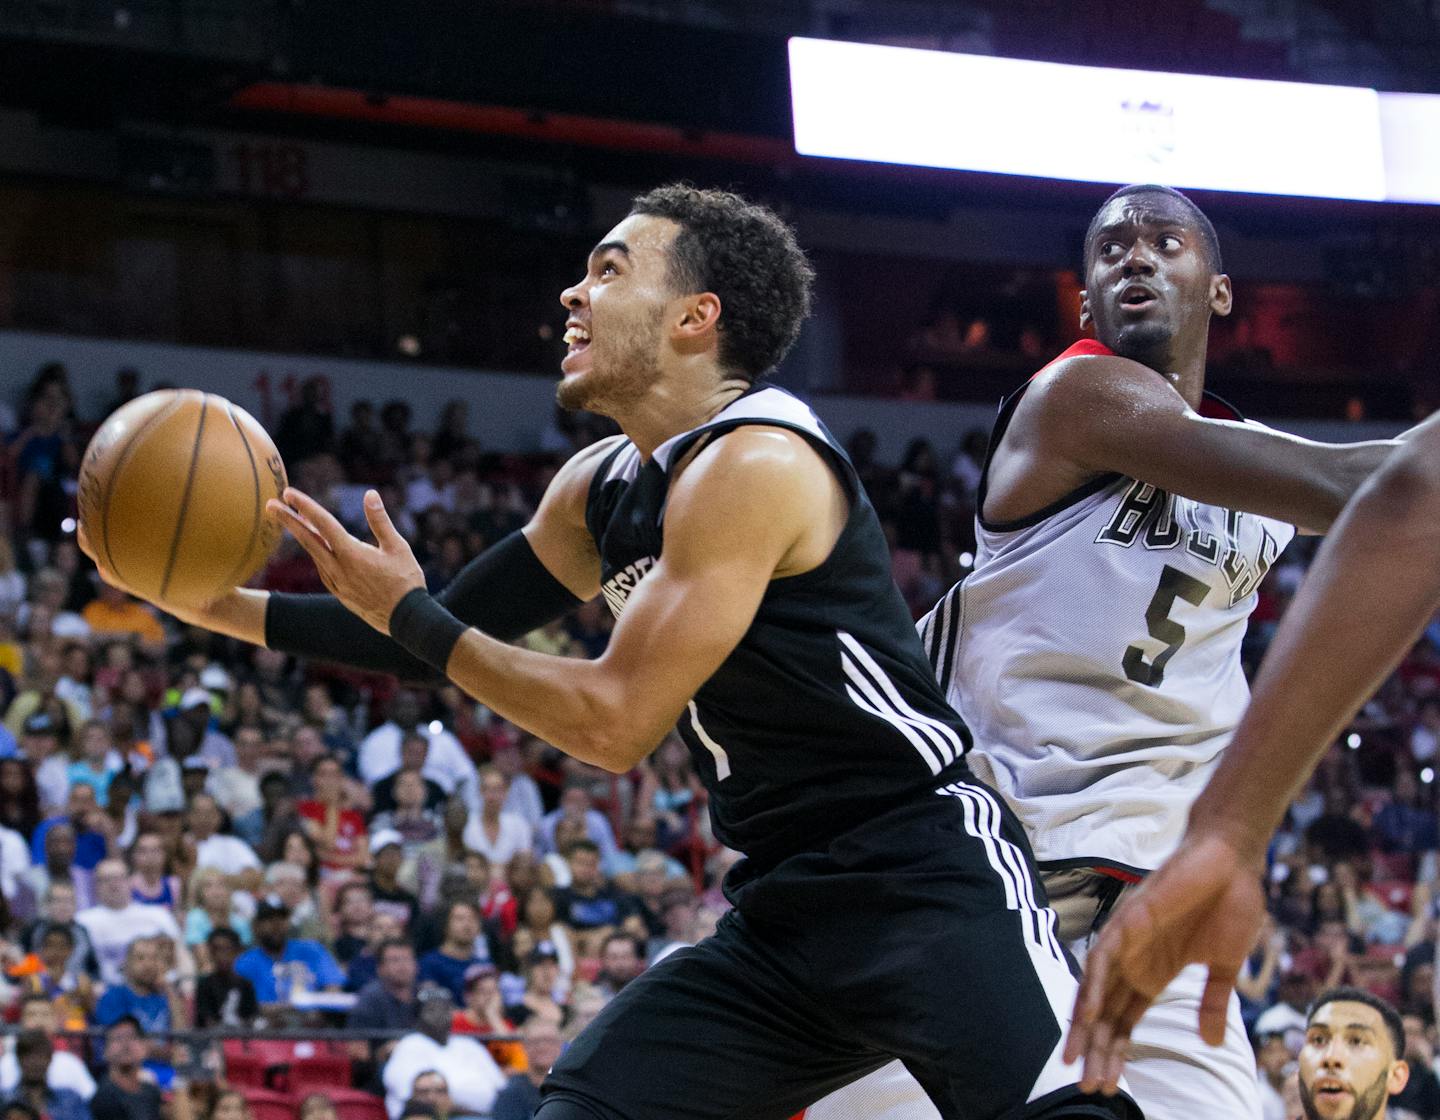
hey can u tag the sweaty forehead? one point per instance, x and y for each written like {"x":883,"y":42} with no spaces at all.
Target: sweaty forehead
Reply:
{"x":1343,"y":1014}
{"x":1143,"y":211}
{"x":644,"y":234}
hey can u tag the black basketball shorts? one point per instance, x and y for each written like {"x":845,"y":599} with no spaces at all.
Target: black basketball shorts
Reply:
{"x":922,"y":935}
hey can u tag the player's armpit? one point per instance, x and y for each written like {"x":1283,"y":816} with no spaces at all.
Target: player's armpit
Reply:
{"x":752,"y":504}
{"x":1109,"y":414}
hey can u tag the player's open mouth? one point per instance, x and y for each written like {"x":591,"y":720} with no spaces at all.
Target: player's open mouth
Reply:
{"x":577,"y":341}
{"x":1137,"y":297}
{"x":1328,"y":1089}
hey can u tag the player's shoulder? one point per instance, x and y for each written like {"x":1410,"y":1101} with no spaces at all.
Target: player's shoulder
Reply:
{"x":1071,"y":395}
{"x":756,"y":454}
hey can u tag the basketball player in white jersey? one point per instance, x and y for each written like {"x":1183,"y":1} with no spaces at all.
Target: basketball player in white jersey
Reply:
{"x":1124,"y":524}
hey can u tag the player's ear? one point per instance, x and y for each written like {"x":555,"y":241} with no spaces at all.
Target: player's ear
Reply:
{"x":1084,"y":310}
{"x":699,"y":318}
{"x":1399,"y":1077}
{"x":1222,"y":299}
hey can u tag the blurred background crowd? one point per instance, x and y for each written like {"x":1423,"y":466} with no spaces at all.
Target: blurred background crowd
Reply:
{"x":229,"y":879}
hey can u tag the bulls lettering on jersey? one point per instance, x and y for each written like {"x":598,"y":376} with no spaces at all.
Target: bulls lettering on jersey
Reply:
{"x":1094,"y":654}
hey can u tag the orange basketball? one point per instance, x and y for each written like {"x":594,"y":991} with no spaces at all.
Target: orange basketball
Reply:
{"x":172,"y":495}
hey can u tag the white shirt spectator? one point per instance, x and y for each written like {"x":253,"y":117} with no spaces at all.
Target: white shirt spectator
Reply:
{"x":469,"y":1070}
{"x":236,"y":791}
{"x":14,"y":860}
{"x":52,"y":779}
{"x":524,"y":800}
{"x":66,"y":1072}
{"x":514,"y":836}
{"x":111,"y":932}
{"x":229,"y":854}
{"x":446,"y":764}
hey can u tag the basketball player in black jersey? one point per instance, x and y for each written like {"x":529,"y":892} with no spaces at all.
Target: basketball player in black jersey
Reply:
{"x":887,"y":906}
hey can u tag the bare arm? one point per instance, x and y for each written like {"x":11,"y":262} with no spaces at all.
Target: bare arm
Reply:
{"x":721,"y":549}
{"x":1096,"y":415}
{"x":557,"y":533}
{"x":1373,"y":587}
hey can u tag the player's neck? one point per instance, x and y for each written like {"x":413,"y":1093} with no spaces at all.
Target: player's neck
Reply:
{"x":678,"y":404}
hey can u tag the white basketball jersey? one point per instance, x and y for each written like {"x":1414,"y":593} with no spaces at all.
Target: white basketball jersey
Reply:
{"x":1094,"y":653}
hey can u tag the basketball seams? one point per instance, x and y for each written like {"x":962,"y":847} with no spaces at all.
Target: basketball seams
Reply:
{"x":185,"y":496}
{"x":115,"y":471}
{"x":234,"y":572}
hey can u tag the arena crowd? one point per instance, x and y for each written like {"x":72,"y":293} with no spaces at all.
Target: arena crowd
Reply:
{"x":208,"y":851}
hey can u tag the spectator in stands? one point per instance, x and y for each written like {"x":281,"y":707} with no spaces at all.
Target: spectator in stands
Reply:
{"x":231,"y":1105}
{"x":124,"y":1094}
{"x":521,"y":1095}
{"x":471,"y":1074}
{"x":306,"y":427}
{"x":66,"y":1071}
{"x":463,"y":947}
{"x":386,"y":1003}
{"x":354,"y":910}
{"x":83,"y":816}
{"x":216,"y":848}
{"x":622,"y":959}
{"x":418,"y":827}
{"x":1335,"y":834}
{"x":446,"y":762}
{"x":115,"y":921}
{"x":151,"y":881}
{"x":144,"y":994}
{"x":287,"y":884}
{"x":212,"y":906}
{"x":360,"y":448}
{"x":33,"y":1052}
{"x":414,"y":750}
{"x":546,"y":991}
{"x":224,"y":998}
{"x":58,"y":906}
{"x":1403,"y":825}
{"x":523,"y":797}
{"x":19,"y":795}
{"x":575,"y":806}
{"x":338,"y":831}
{"x":115,"y":612}
{"x":589,"y":902}
{"x":1425,"y":738}
{"x":274,"y":946}
{"x":317,"y":1106}
{"x":51,"y":973}
{"x":384,"y":926}
{"x":236,"y":789}
{"x":98,"y":762}
{"x":538,"y":915}
{"x":429,"y":1098}
{"x":493,"y":831}
{"x":385,"y":887}
{"x":41,"y":745}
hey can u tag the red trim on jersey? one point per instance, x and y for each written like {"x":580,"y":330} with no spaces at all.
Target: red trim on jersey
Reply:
{"x":1116,"y":873}
{"x":1211,"y":407}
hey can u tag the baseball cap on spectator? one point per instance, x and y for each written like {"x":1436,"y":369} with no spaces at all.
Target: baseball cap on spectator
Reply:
{"x":40,"y":723}
{"x":478,"y":972}
{"x":194,"y":697}
{"x":544,"y":951}
{"x":216,"y":679}
{"x":195,"y":762}
{"x":382,"y":838}
{"x":1277,"y":1020}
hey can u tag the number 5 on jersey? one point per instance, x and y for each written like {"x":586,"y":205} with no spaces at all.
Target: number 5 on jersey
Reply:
{"x":1174,"y":584}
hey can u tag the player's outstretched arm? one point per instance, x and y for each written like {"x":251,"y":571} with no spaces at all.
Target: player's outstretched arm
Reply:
{"x":754,"y":504}
{"x":1110,"y":414}
{"x":514,"y":586}
{"x":1373,"y":587}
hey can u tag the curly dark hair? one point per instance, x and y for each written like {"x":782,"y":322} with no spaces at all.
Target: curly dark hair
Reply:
{"x":746,"y":255}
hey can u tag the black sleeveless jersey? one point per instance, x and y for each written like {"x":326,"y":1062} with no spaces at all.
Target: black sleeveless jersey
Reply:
{"x":827,"y":713}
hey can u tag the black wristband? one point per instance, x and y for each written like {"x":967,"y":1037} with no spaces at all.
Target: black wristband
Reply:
{"x":425,"y":628}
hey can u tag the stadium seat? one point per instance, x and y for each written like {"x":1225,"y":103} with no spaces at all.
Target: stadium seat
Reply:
{"x":274,"y":1064}
{"x":266,"y":1104}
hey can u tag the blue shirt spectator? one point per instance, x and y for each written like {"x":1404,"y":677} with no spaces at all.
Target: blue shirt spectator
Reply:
{"x":274,"y":947}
